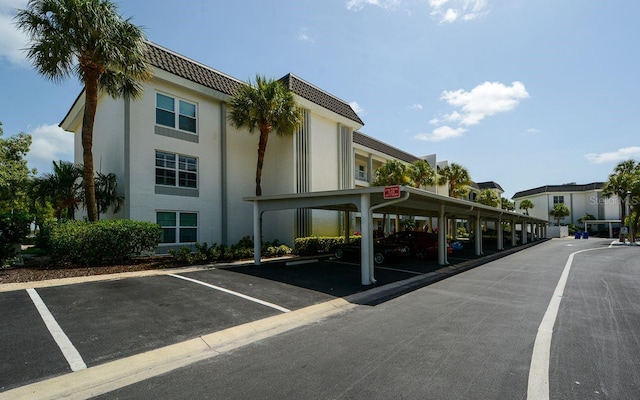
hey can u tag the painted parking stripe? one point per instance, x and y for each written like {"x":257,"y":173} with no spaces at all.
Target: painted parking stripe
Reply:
{"x":400,"y":270}
{"x":68,"y":350}
{"x":538,"y":385}
{"x":244,"y":296}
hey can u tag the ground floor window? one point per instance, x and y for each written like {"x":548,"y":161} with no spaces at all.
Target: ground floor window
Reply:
{"x":178,"y":226}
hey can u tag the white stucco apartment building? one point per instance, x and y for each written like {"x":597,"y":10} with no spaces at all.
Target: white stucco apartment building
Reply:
{"x":182,"y":164}
{"x":580,"y":199}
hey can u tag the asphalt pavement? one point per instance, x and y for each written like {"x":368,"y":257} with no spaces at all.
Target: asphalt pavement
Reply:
{"x":312,"y":331}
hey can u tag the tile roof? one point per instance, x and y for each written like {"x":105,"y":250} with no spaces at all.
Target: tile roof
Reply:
{"x":184,"y":67}
{"x":559,"y":189}
{"x":320,"y":97}
{"x":368,"y":141}
{"x":489,"y":185}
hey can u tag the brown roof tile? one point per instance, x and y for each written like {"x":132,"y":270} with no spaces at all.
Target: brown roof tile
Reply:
{"x":368,"y":141}
{"x":184,"y":67}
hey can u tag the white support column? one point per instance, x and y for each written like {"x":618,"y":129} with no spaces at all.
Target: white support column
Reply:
{"x":442,"y":237}
{"x":478,"y":234}
{"x":524,"y":231}
{"x":366,"y":244}
{"x":513,"y":233}
{"x":500,"y":233}
{"x":347,"y":225}
{"x":257,"y":233}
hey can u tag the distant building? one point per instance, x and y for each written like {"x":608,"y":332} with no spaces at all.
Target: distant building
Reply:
{"x":580,"y":199}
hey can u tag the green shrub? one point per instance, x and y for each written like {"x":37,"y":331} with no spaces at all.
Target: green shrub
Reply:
{"x":13,"y":229}
{"x":309,"y":246}
{"x":102,"y":242}
{"x":242,"y":249}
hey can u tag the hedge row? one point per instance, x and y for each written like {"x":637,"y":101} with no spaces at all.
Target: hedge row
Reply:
{"x":309,"y":246}
{"x":102,"y":242}
{"x":220,"y":252}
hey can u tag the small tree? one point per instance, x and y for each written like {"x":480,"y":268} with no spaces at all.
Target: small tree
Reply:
{"x":14,"y":173}
{"x":489,"y":198}
{"x":507,"y":204}
{"x":392,"y":172}
{"x":458,"y":179}
{"x":526,"y":205}
{"x":107,"y":195}
{"x":421,"y":174}
{"x":560,"y":211}
{"x":62,"y":188}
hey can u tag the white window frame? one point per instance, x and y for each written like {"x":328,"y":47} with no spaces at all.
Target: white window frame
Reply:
{"x":176,"y":113}
{"x":177,"y":162}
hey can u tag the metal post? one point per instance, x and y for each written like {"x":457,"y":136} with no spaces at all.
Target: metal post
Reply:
{"x":442,"y":237}
{"x":366,"y":244}
{"x":257,"y":233}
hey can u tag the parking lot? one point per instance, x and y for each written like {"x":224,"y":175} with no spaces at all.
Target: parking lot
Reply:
{"x":51,"y":331}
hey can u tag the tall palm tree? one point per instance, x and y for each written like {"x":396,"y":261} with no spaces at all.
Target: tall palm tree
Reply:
{"x":91,"y":40}
{"x":62,"y":188}
{"x":526,"y":205}
{"x":266,"y":106}
{"x":621,"y":181}
{"x":458,"y":179}
{"x":107,"y":193}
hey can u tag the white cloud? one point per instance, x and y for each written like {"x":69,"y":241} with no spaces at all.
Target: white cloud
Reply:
{"x":12,"y":40}
{"x":49,"y":143}
{"x":483,"y":101}
{"x":304,"y":36}
{"x":449,"y":11}
{"x":356,"y":107}
{"x":416,"y":106}
{"x":625,"y":153}
{"x":356,"y":5}
{"x":441,"y":133}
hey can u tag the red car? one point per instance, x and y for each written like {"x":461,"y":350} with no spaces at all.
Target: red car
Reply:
{"x":422,"y":244}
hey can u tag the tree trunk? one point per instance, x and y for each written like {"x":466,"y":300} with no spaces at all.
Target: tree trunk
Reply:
{"x":262,"y":147}
{"x":90,"y":106}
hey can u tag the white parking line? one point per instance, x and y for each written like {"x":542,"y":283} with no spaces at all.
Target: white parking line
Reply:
{"x":538,"y":385}
{"x":244,"y":296}
{"x":400,"y":270}
{"x":68,"y":350}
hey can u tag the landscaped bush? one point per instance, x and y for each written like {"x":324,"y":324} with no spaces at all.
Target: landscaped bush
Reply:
{"x":310,"y":246}
{"x":220,"y":252}
{"x":13,"y":229}
{"x":102,"y":242}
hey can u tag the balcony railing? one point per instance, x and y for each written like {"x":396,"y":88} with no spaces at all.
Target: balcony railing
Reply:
{"x":361,"y":176}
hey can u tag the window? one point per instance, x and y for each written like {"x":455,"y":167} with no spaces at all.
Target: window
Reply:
{"x":185,"y":119}
{"x":558,"y":200}
{"x":178,"y":227}
{"x":170,"y":166}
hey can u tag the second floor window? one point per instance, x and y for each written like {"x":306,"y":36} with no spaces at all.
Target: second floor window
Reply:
{"x":176,"y":170}
{"x":175,"y":113}
{"x":558,"y":200}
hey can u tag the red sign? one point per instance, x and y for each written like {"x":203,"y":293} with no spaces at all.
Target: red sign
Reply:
{"x":392,"y":192}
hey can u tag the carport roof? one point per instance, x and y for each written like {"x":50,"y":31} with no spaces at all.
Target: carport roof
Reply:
{"x":418,"y":203}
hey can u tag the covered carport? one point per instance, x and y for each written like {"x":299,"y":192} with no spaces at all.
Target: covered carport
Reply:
{"x":398,"y":200}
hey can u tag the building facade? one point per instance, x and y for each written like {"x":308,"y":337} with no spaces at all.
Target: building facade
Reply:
{"x":579,"y":199}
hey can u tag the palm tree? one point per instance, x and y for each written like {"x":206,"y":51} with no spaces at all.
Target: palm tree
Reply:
{"x":507,"y":204}
{"x":489,"y":198}
{"x":107,"y":193}
{"x":560,"y":211}
{"x":458,"y":179}
{"x":392,"y":172}
{"x":621,"y":181}
{"x":421,"y":174}
{"x":267,"y":106}
{"x":91,"y":40}
{"x":526,"y":205}
{"x":62,"y":188}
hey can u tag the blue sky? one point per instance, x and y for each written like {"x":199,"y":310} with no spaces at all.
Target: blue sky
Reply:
{"x":524,"y":93}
